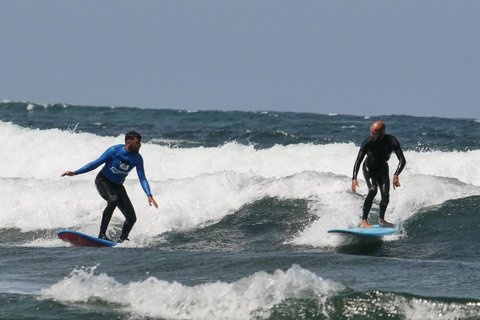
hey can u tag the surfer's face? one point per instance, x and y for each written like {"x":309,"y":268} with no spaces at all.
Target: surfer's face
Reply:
{"x":376,"y":133}
{"x":133,"y":146}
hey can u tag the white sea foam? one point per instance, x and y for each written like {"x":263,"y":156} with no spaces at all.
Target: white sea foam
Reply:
{"x":201,"y":185}
{"x":250,"y":297}
{"x":253,"y":297}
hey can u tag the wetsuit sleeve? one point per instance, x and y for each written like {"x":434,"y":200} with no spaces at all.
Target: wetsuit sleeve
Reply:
{"x":401,"y":158}
{"x":143,"y":178}
{"x":96,"y":163}
{"x":361,"y":155}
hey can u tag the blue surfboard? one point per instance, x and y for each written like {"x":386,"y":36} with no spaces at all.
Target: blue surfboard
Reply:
{"x":78,"y":239}
{"x":375,"y":231}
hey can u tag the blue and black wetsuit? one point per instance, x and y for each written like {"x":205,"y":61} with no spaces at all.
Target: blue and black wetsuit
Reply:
{"x":375,"y":169}
{"x":118,"y":164}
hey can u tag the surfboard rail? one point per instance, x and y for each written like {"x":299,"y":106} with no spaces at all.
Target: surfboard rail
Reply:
{"x":78,"y":239}
{"x":375,"y":231}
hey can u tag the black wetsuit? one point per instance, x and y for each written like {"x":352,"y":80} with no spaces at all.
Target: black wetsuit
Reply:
{"x":116,"y":196}
{"x":375,"y":169}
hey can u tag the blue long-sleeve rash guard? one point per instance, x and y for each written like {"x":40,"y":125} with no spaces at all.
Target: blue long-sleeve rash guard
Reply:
{"x":118,"y":164}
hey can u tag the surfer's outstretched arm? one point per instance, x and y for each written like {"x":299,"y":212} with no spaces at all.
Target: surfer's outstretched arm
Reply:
{"x":69,"y":173}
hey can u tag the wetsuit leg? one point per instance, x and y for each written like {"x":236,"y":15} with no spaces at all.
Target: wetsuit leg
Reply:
{"x":372,"y":191}
{"x":126,"y":207}
{"x":384,"y":184}
{"x":107,"y":191}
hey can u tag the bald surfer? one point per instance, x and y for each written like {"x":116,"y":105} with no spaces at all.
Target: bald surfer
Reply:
{"x":378,"y":148}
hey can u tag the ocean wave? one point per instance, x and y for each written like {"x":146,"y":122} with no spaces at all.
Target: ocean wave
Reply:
{"x":253,"y":297}
{"x":291,"y":294}
{"x":201,"y":186}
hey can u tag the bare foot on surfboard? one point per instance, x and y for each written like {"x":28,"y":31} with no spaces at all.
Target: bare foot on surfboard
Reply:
{"x":385,"y":224}
{"x":365,"y":224}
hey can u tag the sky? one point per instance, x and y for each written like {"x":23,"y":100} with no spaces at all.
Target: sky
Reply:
{"x":368,"y":58}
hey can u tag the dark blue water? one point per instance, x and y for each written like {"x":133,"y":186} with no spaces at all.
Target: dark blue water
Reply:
{"x":263,"y":129}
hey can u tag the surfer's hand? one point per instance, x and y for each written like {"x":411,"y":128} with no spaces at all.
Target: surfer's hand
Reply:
{"x":354,"y":185}
{"x":69,"y":173}
{"x":396,"y":181}
{"x":152,"y":201}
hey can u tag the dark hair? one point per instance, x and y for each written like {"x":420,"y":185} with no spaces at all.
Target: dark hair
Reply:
{"x":132,"y":135}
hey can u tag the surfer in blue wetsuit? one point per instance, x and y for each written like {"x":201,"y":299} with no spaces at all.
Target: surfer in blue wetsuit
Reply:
{"x":378,"y":148}
{"x":119,"y":161}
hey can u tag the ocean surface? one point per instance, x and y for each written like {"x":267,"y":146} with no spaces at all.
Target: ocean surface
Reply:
{"x":245,"y":201}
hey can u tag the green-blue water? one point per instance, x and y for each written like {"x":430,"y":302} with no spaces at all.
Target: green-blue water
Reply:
{"x":245,"y":202}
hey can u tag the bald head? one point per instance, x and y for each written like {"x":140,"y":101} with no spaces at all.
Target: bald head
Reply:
{"x":377,"y":130}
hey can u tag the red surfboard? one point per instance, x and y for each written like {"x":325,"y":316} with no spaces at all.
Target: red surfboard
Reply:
{"x":78,"y":239}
